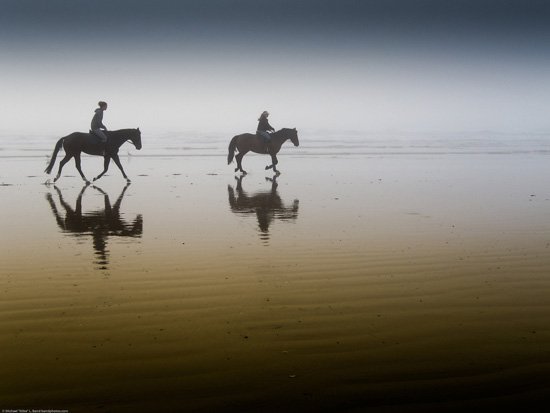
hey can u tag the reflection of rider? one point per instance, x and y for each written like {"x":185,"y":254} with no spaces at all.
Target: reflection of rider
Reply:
{"x":98,"y":127}
{"x":263,"y":128}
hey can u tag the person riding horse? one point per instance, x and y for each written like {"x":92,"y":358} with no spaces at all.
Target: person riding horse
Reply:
{"x":97,"y":125}
{"x":263,"y":128}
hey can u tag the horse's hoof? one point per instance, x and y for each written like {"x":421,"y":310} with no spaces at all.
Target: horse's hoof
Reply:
{"x":236,"y":169}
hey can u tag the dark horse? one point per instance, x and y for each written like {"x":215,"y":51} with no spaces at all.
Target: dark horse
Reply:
{"x":78,"y":142}
{"x":252,"y":142}
{"x":100,"y":224}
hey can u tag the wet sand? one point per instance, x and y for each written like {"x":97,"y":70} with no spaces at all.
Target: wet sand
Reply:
{"x":385,"y":281}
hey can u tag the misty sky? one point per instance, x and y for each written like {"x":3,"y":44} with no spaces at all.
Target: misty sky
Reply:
{"x":212,"y":65}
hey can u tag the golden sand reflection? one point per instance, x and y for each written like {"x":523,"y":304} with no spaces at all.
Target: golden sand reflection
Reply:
{"x":375,"y":290}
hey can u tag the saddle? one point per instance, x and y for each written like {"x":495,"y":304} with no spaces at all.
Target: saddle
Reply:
{"x":93,"y":134}
{"x":95,"y":140}
{"x":266,"y":136}
{"x":98,"y":139}
{"x":266,"y":139}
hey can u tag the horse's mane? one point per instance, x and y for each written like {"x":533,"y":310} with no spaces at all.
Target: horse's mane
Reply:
{"x":284,"y":130}
{"x":124,"y":130}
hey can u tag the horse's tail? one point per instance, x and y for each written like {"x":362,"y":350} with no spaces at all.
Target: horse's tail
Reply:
{"x":54,"y":155}
{"x":232,"y":147}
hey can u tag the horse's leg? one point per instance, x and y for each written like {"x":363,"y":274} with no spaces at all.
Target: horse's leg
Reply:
{"x":78,"y":166}
{"x":106,"y":162}
{"x":275,"y":162}
{"x":273,"y":165}
{"x":239,"y":158}
{"x":66,"y":159}
{"x":117,"y":161}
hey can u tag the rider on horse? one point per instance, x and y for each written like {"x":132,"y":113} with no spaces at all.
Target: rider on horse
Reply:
{"x":263,"y":128}
{"x":97,"y":125}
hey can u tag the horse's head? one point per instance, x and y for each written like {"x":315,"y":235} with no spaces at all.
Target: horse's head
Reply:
{"x":291,"y":134}
{"x":136,"y":138}
{"x":294,"y":137}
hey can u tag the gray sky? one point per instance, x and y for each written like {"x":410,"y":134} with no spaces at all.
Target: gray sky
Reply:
{"x":213,"y":66}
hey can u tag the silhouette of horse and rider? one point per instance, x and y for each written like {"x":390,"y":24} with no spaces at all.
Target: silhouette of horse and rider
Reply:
{"x":266,"y":205}
{"x":100,"y":224}
{"x":247,"y":142}
{"x":101,"y":142}
{"x":265,"y":141}
{"x":78,"y":142}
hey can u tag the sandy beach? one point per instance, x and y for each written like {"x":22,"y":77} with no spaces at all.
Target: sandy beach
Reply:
{"x":366,"y":277}
{"x":399,"y":263}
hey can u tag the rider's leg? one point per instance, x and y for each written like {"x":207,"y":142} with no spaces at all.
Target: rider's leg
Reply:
{"x":103,"y":138}
{"x":267,"y":141}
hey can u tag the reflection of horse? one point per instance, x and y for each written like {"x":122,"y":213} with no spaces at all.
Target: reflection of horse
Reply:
{"x":252,"y":142}
{"x":266,"y":205}
{"x":78,"y":142}
{"x":99,"y":224}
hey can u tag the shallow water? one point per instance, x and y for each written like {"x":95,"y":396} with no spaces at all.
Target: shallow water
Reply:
{"x":410,"y":277}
